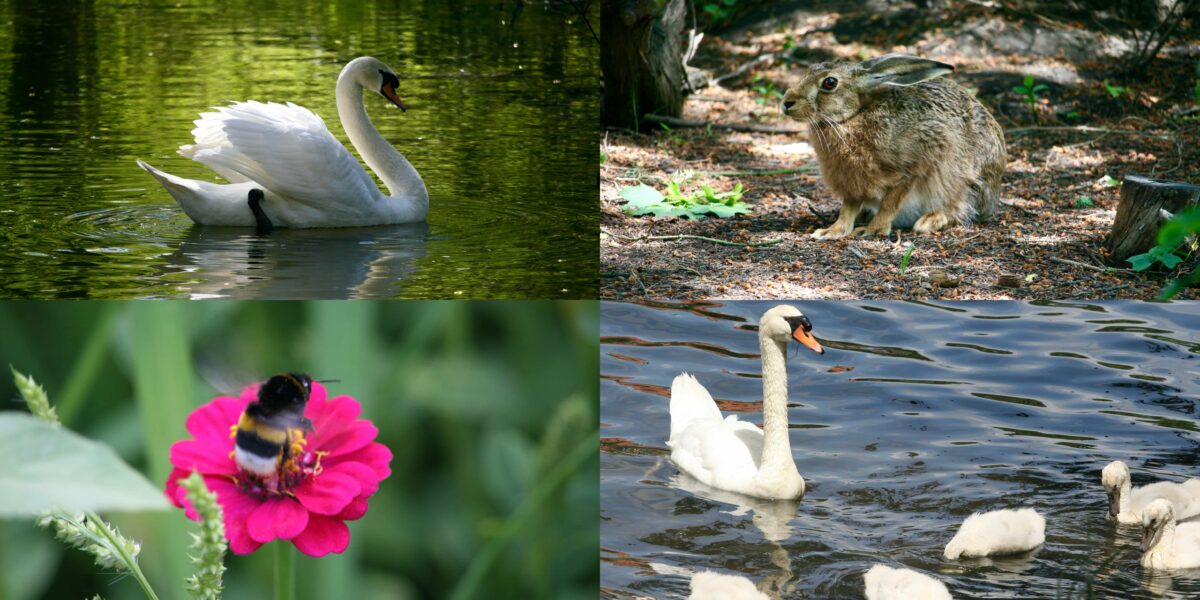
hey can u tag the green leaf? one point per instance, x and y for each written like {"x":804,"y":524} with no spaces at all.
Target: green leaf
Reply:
{"x":507,"y":461}
{"x":1041,"y":87}
{"x":640,"y":196}
{"x":1021,"y":90}
{"x":1084,"y":202}
{"x":43,"y":467}
{"x":723,"y":210}
{"x":1030,"y":277}
{"x":1170,"y":260}
{"x":1028,"y":81}
{"x":1175,"y":231}
{"x":1140,"y":262}
{"x":1109,"y":181}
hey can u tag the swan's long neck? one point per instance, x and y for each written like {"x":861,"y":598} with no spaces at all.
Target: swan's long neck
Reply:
{"x":1124,"y":502}
{"x":402,"y":180}
{"x":777,"y":448}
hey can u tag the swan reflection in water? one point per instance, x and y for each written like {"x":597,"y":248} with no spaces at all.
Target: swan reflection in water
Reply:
{"x":361,"y":262}
{"x":773,"y":518}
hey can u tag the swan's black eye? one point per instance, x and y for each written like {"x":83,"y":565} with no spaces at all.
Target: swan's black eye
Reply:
{"x":389,"y":79}
{"x":829,"y":84}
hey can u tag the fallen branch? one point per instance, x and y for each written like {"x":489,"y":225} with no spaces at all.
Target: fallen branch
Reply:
{"x":1082,"y":129}
{"x":688,"y":123}
{"x":767,"y":173}
{"x":1076,"y":263}
{"x":688,"y":236}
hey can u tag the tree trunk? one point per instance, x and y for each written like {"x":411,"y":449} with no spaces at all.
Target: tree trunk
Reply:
{"x":1145,"y":205}
{"x":642,"y":59}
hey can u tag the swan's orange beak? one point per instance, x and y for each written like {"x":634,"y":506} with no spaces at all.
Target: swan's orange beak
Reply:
{"x":806,"y":338}
{"x":389,"y":92}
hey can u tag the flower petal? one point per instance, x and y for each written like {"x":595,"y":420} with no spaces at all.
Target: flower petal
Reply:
{"x":351,"y":439}
{"x":237,"y":506}
{"x":374,"y":455}
{"x":211,"y":422}
{"x":172,"y":487}
{"x":323,"y":536}
{"x":355,"y":510}
{"x":327,"y":493}
{"x":280,"y":518}
{"x":368,"y":481}
{"x":205,"y":456}
{"x":332,"y":418}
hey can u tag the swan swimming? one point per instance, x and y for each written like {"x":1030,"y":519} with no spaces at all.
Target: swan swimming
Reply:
{"x":1166,"y":544}
{"x":1008,"y":531}
{"x":707,"y":585}
{"x":885,"y":583}
{"x":734,"y":455}
{"x":1126,"y":503}
{"x":304,"y":177}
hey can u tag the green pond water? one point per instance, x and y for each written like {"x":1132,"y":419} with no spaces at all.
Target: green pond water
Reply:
{"x":501,"y":124}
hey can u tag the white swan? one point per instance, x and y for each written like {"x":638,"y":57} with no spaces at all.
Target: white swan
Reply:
{"x":1127,"y":504}
{"x":707,"y":585}
{"x":309,"y":178}
{"x":886,"y":583}
{"x":735,"y":455}
{"x":1165,"y":544}
{"x":998,"y":532}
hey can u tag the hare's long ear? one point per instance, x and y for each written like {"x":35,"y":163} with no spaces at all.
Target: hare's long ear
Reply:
{"x":901,"y":69}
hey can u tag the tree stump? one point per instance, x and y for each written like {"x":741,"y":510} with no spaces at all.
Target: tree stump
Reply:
{"x":1145,"y":205}
{"x":642,"y":59}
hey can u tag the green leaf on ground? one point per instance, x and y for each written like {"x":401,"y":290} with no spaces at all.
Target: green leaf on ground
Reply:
{"x":645,"y":200}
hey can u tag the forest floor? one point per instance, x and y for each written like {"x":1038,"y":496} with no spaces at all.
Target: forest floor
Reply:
{"x":1067,"y":153}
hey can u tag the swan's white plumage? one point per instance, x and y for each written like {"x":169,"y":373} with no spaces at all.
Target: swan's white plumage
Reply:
{"x":885,"y":583}
{"x":308,"y":177}
{"x":1008,"y":531}
{"x":730,"y":454}
{"x":707,"y":585}
{"x":722,"y":453}
{"x":1129,"y":502}
{"x":1165,"y":543}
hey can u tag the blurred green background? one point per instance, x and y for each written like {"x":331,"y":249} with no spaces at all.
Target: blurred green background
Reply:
{"x":480,"y":402}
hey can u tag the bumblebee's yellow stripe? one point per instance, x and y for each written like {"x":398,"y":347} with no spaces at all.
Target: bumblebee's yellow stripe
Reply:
{"x":273,"y":435}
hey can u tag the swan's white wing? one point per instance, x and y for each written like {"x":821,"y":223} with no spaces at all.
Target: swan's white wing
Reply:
{"x":690,"y":402}
{"x":285,"y":148}
{"x":1184,"y":497}
{"x":707,"y":585}
{"x":1187,"y":544}
{"x":886,"y":583}
{"x":721,"y":454}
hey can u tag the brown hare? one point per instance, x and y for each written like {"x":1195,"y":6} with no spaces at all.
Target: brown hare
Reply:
{"x":894,"y":140}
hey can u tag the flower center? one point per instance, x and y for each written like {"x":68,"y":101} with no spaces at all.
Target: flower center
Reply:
{"x":293,"y":465}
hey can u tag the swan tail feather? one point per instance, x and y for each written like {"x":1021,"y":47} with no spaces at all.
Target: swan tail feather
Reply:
{"x":206,"y":203}
{"x":690,"y":402}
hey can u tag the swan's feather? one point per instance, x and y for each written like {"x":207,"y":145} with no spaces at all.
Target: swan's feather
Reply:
{"x":707,"y":585}
{"x":689,"y":402}
{"x":1184,"y":497}
{"x":284,"y":148}
{"x":886,"y":583}
{"x":998,"y":532}
{"x":718,"y":452}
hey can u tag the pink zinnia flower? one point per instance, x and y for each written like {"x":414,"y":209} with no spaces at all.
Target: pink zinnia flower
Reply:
{"x":331,"y":473}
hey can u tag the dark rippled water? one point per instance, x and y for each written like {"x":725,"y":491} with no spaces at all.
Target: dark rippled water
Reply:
{"x":917,"y":415}
{"x":501,"y":125}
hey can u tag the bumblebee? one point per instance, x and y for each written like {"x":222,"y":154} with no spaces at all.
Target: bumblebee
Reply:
{"x":272,"y":424}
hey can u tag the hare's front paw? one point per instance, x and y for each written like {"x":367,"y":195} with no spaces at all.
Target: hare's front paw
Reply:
{"x":873,"y":230}
{"x":834,"y":232}
{"x":934,"y":221}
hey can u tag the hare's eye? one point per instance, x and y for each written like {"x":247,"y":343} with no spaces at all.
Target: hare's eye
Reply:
{"x":829,"y":84}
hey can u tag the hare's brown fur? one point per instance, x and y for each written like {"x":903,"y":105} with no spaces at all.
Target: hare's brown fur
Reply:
{"x":920,"y":152}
